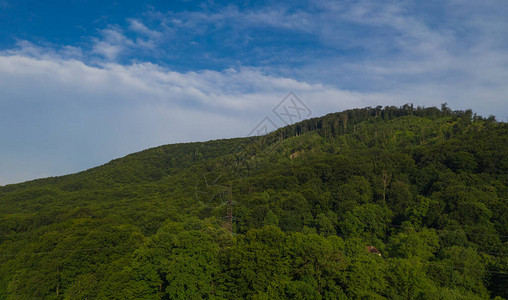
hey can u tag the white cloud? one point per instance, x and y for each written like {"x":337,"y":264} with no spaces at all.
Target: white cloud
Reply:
{"x":29,"y":49}
{"x":111,"y":44}
{"x":271,"y":17}
{"x":139,"y":27}
{"x":113,"y":41}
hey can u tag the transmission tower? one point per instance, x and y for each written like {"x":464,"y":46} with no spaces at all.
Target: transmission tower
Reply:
{"x":219,"y":192}
{"x":229,"y":210}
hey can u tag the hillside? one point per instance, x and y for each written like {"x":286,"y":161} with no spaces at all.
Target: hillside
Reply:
{"x":427,"y":187}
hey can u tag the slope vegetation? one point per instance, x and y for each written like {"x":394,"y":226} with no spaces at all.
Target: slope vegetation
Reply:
{"x":426,"y":187}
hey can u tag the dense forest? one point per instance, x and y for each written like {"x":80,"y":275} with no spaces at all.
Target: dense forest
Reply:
{"x":385,"y":202}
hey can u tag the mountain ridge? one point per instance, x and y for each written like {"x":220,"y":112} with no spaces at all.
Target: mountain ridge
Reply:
{"x":426,"y":186}
{"x":309,"y":125}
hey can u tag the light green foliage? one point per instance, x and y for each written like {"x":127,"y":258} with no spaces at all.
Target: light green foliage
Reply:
{"x":366,"y":220}
{"x":409,"y":244}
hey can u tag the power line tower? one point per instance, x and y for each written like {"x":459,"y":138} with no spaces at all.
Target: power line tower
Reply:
{"x":229,"y":210}
{"x":218,"y":192}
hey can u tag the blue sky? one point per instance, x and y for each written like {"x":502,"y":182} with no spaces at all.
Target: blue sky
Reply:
{"x":83,"y":82}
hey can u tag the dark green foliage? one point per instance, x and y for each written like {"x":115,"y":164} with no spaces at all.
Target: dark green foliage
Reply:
{"x":427,"y":187}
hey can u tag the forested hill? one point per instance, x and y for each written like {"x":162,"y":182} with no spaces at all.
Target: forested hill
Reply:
{"x":426,"y":187}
